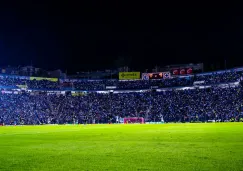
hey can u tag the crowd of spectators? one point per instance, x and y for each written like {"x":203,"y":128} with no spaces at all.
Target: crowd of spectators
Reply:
{"x":171,"y":105}
{"x":89,"y":85}
{"x":11,"y":82}
{"x":43,"y":85}
{"x":191,"y":105}
{"x":206,"y":79}
{"x":221,"y":77}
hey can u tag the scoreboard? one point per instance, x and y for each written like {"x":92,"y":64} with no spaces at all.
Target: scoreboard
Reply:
{"x":159,"y":75}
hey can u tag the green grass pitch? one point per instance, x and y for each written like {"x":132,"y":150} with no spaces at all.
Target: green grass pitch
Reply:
{"x":215,"y":146}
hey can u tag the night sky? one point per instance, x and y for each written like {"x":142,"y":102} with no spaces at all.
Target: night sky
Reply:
{"x":81,"y":37}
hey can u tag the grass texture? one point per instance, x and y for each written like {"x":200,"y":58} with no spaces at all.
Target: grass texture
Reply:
{"x":183,"y":147}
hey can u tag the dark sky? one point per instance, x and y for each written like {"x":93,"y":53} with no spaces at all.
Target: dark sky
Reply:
{"x":76,"y":36}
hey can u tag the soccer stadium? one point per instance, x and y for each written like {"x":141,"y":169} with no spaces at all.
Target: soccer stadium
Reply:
{"x":121,"y":86}
{"x":173,"y":120}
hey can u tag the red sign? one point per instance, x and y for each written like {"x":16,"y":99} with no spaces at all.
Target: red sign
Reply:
{"x":189,"y":71}
{"x":175,"y":72}
{"x":182,"y":72}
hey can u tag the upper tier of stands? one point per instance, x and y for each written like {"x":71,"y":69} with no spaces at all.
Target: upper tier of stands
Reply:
{"x":12,"y":82}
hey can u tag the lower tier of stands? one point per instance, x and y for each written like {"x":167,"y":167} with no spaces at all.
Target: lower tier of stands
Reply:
{"x":224,"y":103}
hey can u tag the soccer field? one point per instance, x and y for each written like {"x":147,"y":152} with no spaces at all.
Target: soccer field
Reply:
{"x":215,"y":146}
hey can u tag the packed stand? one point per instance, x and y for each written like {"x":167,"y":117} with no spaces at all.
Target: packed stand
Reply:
{"x":95,"y":85}
{"x":133,"y":84}
{"x":89,"y":85}
{"x":222,"y":77}
{"x":43,"y":85}
{"x":194,"y":105}
{"x":11,"y":82}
